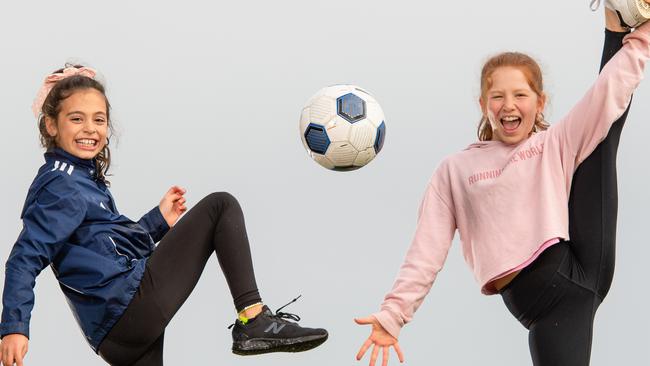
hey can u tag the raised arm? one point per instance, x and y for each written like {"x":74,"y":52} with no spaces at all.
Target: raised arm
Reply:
{"x":588,"y":122}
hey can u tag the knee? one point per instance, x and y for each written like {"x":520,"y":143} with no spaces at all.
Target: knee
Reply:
{"x":221,"y":200}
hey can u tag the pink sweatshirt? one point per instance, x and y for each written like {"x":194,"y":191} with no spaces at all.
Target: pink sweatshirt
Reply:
{"x":507,"y":201}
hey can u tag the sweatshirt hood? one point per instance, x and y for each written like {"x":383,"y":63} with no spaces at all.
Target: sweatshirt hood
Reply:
{"x":481,"y":144}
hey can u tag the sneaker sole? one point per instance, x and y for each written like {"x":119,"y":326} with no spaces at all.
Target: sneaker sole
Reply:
{"x":268,"y":345}
{"x":633,"y":18}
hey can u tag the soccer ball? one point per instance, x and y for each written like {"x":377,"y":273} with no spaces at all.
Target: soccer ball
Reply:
{"x":342,"y":127}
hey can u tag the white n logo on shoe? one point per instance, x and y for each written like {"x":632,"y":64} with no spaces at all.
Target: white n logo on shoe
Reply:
{"x":275,"y":327}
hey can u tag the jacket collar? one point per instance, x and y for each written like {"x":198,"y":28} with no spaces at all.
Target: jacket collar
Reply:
{"x":60,"y":153}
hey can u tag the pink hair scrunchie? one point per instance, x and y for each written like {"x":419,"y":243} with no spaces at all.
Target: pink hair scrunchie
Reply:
{"x":52,"y":79}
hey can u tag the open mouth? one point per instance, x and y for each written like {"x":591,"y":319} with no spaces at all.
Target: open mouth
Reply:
{"x":510,"y":123}
{"x":86,"y":144}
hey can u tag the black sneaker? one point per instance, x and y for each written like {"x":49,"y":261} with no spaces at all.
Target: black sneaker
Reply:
{"x":269,"y":332}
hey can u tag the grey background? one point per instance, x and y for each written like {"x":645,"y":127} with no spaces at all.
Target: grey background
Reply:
{"x":208,"y":96}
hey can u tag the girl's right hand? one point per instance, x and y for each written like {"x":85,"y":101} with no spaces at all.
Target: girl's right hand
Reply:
{"x":13,"y":348}
{"x":380,"y":338}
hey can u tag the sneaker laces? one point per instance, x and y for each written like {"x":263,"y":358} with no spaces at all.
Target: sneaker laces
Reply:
{"x":594,"y":5}
{"x":281,"y":316}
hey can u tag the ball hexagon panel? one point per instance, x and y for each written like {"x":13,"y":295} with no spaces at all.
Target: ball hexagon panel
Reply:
{"x":316,"y":138}
{"x":362,"y":135}
{"x":342,"y":154}
{"x":338,"y":129}
{"x":364,"y":157}
{"x":320,"y":111}
{"x":374,"y":113}
{"x":379,"y":140}
{"x":323,"y":161}
{"x":351,"y":107}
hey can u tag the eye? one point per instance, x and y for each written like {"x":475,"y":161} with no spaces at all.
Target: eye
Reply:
{"x":100,"y":121}
{"x":521,"y":95}
{"x":76,"y":119}
{"x":497,"y":97}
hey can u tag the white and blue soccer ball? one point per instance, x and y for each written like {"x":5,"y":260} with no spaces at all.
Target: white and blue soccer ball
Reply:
{"x":342,"y":127}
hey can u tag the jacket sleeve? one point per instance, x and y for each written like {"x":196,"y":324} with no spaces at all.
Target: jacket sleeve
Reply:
{"x":48,"y":222}
{"x":428,"y":251}
{"x":155,"y":224}
{"x":589,"y":121}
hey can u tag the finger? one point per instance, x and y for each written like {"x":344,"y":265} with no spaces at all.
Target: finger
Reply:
{"x":8,"y":359}
{"x":19,"y":361}
{"x":174,"y":196}
{"x":400,"y":355}
{"x":176,"y":189}
{"x":384,"y":356}
{"x":363,"y":321}
{"x":375,"y":353}
{"x":364,"y":348}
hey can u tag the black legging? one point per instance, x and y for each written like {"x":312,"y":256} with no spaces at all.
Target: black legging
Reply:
{"x":214,"y":225}
{"x":556,"y":297}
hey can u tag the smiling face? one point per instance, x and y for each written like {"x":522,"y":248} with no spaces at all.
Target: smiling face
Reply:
{"x":511,"y":105}
{"x":81,"y":126}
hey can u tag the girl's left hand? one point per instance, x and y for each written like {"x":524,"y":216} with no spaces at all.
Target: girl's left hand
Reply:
{"x":172,"y":204}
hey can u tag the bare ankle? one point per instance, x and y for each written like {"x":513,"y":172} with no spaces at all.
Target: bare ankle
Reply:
{"x":252,"y":311}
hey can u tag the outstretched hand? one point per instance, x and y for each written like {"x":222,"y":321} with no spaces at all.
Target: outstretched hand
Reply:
{"x":380,"y":339}
{"x":13,"y":348}
{"x":172,"y":204}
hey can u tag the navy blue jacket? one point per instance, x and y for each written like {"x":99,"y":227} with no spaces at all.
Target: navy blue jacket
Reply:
{"x":70,"y":223}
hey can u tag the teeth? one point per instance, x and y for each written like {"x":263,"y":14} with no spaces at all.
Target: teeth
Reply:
{"x":86,"y":142}
{"x":510,"y":118}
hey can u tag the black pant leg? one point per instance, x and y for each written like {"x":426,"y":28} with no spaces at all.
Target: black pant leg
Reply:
{"x":563,"y":335}
{"x":154,"y":355}
{"x":556,"y":297}
{"x":593,"y":202}
{"x":214,"y":225}
{"x":557,"y":311}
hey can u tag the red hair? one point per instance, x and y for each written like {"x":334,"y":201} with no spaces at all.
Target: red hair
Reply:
{"x":531,"y":71}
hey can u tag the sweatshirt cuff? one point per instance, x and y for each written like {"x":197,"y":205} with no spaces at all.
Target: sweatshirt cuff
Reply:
{"x":390,"y":322}
{"x":13,"y":328}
